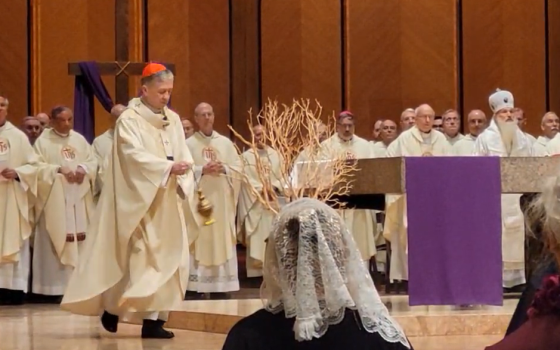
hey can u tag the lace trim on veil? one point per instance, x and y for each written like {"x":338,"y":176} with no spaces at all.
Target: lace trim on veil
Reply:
{"x":313,"y":272}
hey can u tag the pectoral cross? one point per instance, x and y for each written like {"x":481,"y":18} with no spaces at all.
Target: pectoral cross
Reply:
{"x":121,"y":68}
{"x":166,"y":142}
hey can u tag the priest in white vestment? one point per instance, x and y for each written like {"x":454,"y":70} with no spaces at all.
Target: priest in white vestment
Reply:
{"x":549,"y":127}
{"x":345,"y":144}
{"x":44,"y":119}
{"x":519,"y":115}
{"x":188,"y":128}
{"x":263,"y":169}
{"x":388,"y":134}
{"x":419,"y":141}
{"x":18,"y":164}
{"x":503,"y":138}
{"x":476,"y":122}
{"x":136,"y":264}
{"x":451,"y":122}
{"x":102,"y":146}
{"x":217,"y":168}
{"x":64,"y":203}
{"x":32,"y":128}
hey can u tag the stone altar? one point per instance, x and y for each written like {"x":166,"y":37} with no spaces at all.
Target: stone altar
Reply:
{"x":519,"y":175}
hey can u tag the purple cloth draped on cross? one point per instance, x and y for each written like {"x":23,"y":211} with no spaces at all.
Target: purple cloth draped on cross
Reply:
{"x":454,"y":230}
{"x":87,"y":85}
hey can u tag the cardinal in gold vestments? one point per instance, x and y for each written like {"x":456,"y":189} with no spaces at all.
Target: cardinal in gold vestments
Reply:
{"x":18,"y":164}
{"x":136,"y":266}
{"x":64,"y":203}
{"x":213,"y":247}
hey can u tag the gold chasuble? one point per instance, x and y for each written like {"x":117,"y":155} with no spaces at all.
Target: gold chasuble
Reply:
{"x":254,"y":220}
{"x":411,"y":143}
{"x":138,"y":258}
{"x":16,"y":207}
{"x":65,"y":209}
{"x":360,"y":222}
{"x":213,"y":247}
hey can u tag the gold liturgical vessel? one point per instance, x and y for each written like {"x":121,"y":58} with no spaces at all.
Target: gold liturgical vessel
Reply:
{"x":205,"y":209}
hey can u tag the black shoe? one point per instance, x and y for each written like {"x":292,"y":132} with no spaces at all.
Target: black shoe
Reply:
{"x":154,"y":330}
{"x":110,"y":322}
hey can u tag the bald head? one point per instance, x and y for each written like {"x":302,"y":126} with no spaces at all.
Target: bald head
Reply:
{"x":116,"y":112}
{"x":32,"y":128}
{"x":407,"y":118}
{"x":188,"y":128}
{"x":44,"y":119}
{"x":477,"y":122}
{"x":388,"y":131}
{"x":204,"y":118}
{"x":425,"y":117}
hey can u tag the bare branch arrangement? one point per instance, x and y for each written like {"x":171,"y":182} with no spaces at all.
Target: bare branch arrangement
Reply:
{"x":309,"y":168}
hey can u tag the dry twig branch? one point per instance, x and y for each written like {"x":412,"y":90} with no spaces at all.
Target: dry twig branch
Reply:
{"x":308,"y":168}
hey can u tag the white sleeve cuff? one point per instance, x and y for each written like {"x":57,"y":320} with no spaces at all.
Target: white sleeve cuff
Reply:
{"x":166,"y":175}
{"x":83,"y":167}
{"x":197,"y":170}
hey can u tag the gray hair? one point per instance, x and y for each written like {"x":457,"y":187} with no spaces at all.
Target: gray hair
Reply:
{"x":408,"y":110}
{"x":159,"y":76}
{"x":546,"y":115}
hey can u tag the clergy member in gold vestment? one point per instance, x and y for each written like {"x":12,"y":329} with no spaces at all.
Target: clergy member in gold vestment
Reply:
{"x":361,"y":222}
{"x":102,"y":146}
{"x":254,"y":220}
{"x":17,"y":187}
{"x":136,"y":264}
{"x":64,"y":203}
{"x":421,"y":140}
{"x":503,"y":138}
{"x":213,"y":247}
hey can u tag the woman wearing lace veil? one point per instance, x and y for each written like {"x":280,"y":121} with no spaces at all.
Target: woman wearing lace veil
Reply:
{"x":540,"y":330}
{"x":317,"y":292}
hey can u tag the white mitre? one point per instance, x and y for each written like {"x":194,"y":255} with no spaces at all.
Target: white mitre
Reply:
{"x":500,"y":99}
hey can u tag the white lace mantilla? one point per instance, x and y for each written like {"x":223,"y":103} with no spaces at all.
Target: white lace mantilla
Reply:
{"x":313,"y":272}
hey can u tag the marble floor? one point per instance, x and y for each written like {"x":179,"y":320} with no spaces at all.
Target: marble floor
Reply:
{"x":41,"y":327}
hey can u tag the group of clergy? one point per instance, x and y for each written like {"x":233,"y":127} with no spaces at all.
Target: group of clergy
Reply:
{"x":51,"y":179}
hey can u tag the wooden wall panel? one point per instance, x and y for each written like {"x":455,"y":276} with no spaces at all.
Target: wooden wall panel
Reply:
{"x":66,"y":31}
{"x":194,"y":35}
{"x":501,"y":52}
{"x":245,"y":74}
{"x":301,"y":51}
{"x":13,"y":59}
{"x":553,"y":55}
{"x":400,"y":54}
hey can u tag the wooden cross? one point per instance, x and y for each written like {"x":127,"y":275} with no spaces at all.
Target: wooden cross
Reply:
{"x":121,"y":68}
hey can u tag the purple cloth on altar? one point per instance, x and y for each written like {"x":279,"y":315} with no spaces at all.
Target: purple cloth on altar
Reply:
{"x":88,"y":85}
{"x":454,"y":230}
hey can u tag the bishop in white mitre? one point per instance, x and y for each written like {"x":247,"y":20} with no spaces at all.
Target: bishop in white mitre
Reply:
{"x":18,"y":172}
{"x":476,"y":122}
{"x":262,"y":167}
{"x":549,"y":127}
{"x":421,"y":140}
{"x":64,"y":203}
{"x":217,"y":169}
{"x":102,"y":146}
{"x":345,"y":144}
{"x":136,"y":267}
{"x":503,"y":138}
